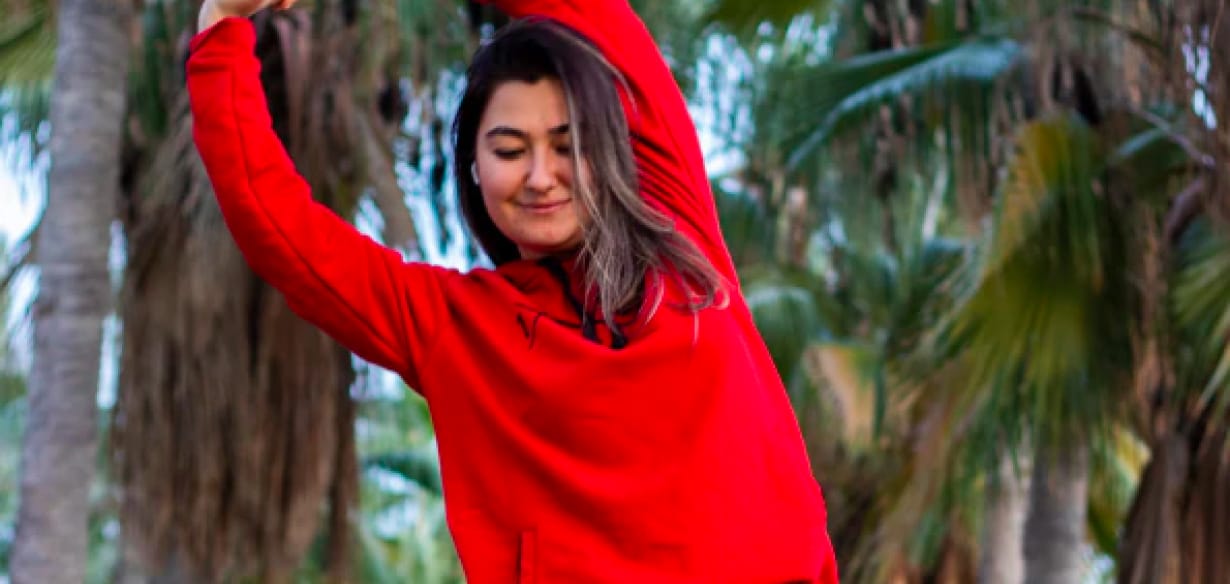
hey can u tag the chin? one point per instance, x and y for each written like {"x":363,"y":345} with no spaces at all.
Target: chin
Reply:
{"x":538,"y":249}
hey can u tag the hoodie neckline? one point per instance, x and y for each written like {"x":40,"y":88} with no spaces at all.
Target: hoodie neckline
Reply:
{"x":560,"y":282}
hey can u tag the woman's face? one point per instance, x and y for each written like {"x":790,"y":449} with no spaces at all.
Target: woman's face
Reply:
{"x":524,"y":166}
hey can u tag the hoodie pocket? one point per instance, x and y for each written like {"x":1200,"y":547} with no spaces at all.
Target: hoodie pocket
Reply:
{"x":527,"y":558}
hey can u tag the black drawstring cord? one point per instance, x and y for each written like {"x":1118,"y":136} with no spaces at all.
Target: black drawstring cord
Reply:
{"x":618,"y":340}
{"x":589,"y":328}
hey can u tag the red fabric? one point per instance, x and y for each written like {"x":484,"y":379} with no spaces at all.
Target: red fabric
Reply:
{"x":676,"y":458}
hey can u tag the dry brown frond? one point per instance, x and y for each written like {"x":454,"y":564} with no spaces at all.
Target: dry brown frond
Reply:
{"x":227,"y":433}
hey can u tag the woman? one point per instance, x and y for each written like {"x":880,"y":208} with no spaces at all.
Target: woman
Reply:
{"x":605,"y":409}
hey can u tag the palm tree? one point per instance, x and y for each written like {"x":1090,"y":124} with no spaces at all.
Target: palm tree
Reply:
{"x":172,"y":309}
{"x":1175,"y":526}
{"x":181,"y":440}
{"x":883,"y":262}
{"x":1026,"y":288}
{"x":1030,"y":378}
{"x":344,"y":119}
{"x":74,"y":294}
{"x":250,"y":447}
{"x":1058,"y":357}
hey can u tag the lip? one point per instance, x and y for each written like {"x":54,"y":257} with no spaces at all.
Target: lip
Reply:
{"x":545,"y":207}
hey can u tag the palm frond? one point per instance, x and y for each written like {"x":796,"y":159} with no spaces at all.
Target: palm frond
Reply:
{"x":24,"y":115}
{"x":1201,"y":305}
{"x":1049,"y":196}
{"x":784,"y":309}
{"x":403,"y":537}
{"x":749,"y":230}
{"x":27,"y":48}
{"x":1047,"y":316}
{"x":1115,"y":471}
{"x":847,"y":92}
{"x":744,"y":16}
{"x":158,"y":73}
{"x":420,"y":466}
{"x":27,"y":61}
{"x":1149,"y":162}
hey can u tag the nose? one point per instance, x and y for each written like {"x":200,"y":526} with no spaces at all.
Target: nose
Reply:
{"x":545,"y":171}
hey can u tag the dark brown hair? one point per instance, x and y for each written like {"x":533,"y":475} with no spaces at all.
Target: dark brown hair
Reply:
{"x":626,"y":241}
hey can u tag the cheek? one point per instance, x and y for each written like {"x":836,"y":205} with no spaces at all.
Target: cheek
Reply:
{"x":495,"y":186}
{"x":496,"y":199}
{"x":499,"y":179}
{"x":496,"y":209}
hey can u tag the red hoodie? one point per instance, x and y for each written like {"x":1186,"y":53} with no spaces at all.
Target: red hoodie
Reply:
{"x":568,"y":456}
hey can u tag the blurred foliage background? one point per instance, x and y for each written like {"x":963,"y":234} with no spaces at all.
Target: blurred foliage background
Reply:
{"x":986,"y":243}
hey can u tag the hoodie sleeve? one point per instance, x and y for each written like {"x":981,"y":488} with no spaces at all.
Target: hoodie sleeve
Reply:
{"x":668,"y":154}
{"x":356,"y":290}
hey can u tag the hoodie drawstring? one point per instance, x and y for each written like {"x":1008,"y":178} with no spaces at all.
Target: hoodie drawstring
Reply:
{"x":589,"y":328}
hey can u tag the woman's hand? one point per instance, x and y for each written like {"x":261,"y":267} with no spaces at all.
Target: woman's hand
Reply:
{"x":214,"y":10}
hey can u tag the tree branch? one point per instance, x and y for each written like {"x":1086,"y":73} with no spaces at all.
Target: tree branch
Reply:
{"x":399,"y":231}
{"x":1198,"y":156}
{"x":1186,"y":207}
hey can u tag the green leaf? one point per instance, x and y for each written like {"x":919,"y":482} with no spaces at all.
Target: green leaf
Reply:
{"x":846,"y":93}
{"x":27,"y":64}
{"x":745,"y":16}
{"x":420,"y":466}
{"x":785,"y":314}
{"x":1201,"y":305}
{"x":1048,"y":320}
{"x":747,"y":227}
{"x":27,"y":50}
{"x":1048,"y":204}
{"x":1115,"y":469}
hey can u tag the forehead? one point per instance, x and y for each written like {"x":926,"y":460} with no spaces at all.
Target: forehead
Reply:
{"x":530,"y":107}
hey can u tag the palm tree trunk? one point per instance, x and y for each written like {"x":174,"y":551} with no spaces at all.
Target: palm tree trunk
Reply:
{"x":1055,"y":530}
{"x":87,"y":113}
{"x":233,"y":426}
{"x":1002,"y":559}
{"x":1153,"y":529}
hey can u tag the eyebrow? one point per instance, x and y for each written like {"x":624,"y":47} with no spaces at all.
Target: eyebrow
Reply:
{"x":559,"y":130}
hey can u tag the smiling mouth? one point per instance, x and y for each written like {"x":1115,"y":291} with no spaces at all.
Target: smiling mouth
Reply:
{"x":545,"y":207}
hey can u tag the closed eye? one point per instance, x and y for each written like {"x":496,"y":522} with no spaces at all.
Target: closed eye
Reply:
{"x":509,"y":154}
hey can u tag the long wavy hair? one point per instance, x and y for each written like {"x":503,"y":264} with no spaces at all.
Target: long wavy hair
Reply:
{"x":629,"y":250}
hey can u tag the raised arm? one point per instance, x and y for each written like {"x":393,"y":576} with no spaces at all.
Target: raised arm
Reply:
{"x":356,"y":290}
{"x":668,"y":154}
